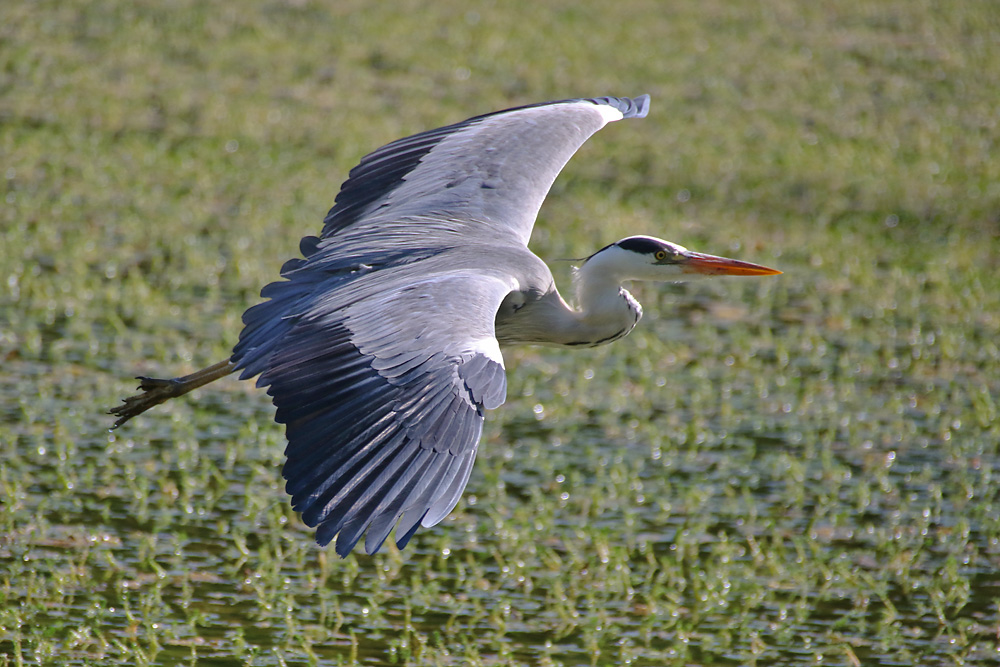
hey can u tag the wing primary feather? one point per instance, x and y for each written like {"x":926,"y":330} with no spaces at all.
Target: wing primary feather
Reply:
{"x":421,"y":497}
{"x":371,"y":390}
{"x":408,"y":525}
{"x":440,"y":509}
{"x":389,"y":511}
{"x":386,"y":490}
{"x":307,"y":468}
{"x":352,"y":507}
{"x":335,"y":497}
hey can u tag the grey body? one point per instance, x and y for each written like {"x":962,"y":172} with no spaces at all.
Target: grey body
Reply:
{"x":380,"y":346}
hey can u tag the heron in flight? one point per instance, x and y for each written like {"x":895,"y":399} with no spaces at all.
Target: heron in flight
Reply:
{"x":380,"y":346}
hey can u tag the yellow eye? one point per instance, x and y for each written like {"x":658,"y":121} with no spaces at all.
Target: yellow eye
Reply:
{"x":660,"y":255}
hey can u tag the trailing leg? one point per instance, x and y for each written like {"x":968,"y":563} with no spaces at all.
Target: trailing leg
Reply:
{"x":155,"y":390}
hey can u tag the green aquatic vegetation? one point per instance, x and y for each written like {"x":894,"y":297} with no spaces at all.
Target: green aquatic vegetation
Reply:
{"x":801,"y":469}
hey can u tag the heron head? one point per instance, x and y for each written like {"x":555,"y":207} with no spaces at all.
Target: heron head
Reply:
{"x":649,"y":258}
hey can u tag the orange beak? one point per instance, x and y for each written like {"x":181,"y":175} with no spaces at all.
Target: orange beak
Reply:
{"x":696,"y":262}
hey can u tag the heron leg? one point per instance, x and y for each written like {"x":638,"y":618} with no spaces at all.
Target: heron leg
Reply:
{"x":155,"y":390}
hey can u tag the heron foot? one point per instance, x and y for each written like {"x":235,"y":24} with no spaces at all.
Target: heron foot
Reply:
{"x":153,"y":391}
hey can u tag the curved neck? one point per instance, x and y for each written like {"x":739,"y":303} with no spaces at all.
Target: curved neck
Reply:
{"x":604,"y":312}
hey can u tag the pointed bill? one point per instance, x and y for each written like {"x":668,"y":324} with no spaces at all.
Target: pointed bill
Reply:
{"x":696,"y":262}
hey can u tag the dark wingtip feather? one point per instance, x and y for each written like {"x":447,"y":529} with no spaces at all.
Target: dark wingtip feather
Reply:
{"x":631,"y":107}
{"x":325,"y":535}
{"x":410,"y":530}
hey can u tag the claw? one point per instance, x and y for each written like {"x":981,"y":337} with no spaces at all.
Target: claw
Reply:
{"x":154,"y":391}
{"x":148,"y":384}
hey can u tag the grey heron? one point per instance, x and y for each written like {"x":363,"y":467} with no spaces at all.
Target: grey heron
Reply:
{"x":380,"y":346}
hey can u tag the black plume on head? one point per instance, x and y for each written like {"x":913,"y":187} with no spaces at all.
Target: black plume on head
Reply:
{"x":640,"y":244}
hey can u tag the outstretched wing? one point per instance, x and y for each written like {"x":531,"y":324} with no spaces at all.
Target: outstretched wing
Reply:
{"x":383,"y":404}
{"x":378,"y":348}
{"x":493,"y":169}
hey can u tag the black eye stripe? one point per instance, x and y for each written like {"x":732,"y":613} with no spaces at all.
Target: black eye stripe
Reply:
{"x":641,"y":245}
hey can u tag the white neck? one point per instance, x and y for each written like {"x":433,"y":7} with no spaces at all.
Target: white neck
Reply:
{"x":604,"y":310}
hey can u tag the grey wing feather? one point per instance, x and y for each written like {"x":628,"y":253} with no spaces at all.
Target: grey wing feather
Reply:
{"x":382,"y":399}
{"x":494,"y":169}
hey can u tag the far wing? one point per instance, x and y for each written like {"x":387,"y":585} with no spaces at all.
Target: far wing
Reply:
{"x":492,"y":170}
{"x":383,"y":401}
